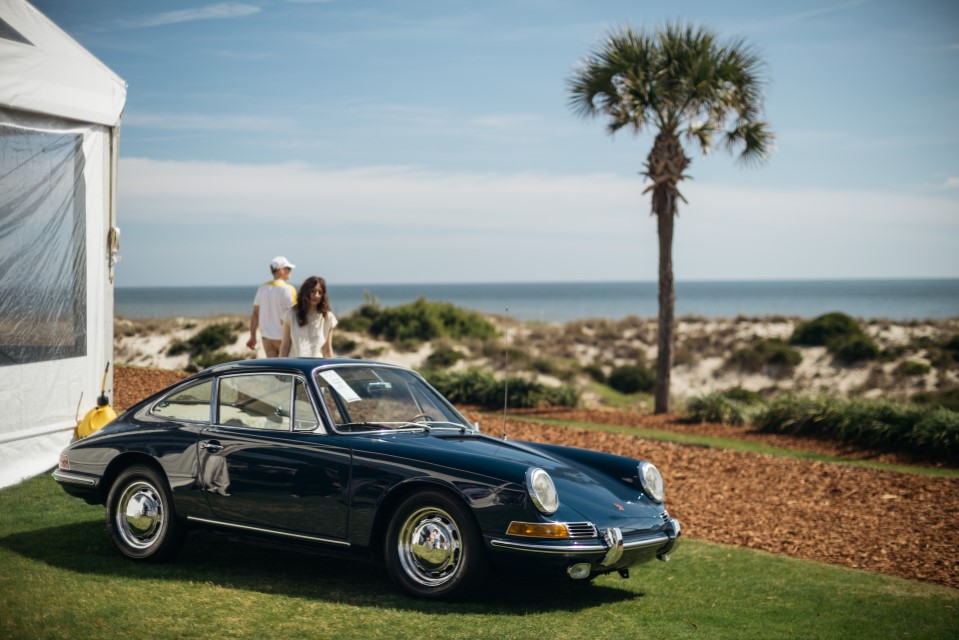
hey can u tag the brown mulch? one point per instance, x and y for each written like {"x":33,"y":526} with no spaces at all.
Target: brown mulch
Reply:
{"x":899,"y":524}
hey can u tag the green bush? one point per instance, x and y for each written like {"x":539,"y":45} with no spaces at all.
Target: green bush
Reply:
{"x":342,"y":345}
{"x":443,"y":357}
{"x":913,"y":368}
{"x":840,"y":334}
{"x":482,"y":388}
{"x":596,"y":373}
{"x":419,"y":321}
{"x":717,"y":407}
{"x":854,"y":349}
{"x":631,"y":379}
{"x":883,"y":424}
{"x":208,"y":359}
{"x":763,"y":353}
{"x":825,"y":329}
{"x":206,"y":347}
{"x":947,"y":398}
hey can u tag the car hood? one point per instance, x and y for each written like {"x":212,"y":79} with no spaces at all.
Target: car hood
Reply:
{"x":586,"y":492}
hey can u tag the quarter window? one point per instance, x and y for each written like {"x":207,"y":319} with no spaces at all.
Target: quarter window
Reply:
{"x":192,"y":403}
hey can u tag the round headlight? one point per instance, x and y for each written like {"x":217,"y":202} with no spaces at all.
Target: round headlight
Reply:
{"x":542,"y":490}
{"x":652,"y":481}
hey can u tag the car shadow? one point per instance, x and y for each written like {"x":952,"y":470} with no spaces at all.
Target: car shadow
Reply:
{"x":206,"y":557}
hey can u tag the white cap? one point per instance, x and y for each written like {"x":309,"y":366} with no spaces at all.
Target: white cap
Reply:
{"x":280,"y":262}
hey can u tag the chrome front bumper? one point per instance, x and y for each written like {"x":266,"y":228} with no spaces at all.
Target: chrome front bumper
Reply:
{"x":613,"y":546}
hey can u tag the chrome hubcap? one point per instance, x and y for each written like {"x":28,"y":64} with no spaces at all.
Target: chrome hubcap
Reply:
{"x":430,"y":547}
{"x":139,"y":515}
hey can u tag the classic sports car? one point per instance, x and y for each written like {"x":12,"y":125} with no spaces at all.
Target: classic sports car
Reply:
{"x":356,"y":457}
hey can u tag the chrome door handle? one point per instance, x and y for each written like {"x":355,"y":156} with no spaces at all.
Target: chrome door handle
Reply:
{"x":211,"y":445}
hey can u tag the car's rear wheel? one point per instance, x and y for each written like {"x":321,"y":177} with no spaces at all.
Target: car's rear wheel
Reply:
{"x":140,"y":515}
{"x":434,"y":548}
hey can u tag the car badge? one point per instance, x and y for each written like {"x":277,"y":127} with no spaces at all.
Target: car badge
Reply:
{"x":619,"y":506}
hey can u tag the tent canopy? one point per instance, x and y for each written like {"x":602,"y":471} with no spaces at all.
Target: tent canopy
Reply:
{"x":43,"y":70}
{"x":60,"y":112}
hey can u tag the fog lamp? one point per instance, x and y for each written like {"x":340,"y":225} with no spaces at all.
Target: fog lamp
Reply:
{"x":538,"y":529}
{"x":578,"y":571}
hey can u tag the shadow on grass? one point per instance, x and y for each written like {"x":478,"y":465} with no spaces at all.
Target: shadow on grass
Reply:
{"x":215,"y":559}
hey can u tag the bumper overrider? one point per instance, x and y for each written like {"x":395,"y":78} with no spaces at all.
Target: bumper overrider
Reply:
{"x":611,"y":552}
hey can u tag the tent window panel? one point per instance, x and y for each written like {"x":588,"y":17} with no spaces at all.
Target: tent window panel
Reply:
{"x":43,"y":288}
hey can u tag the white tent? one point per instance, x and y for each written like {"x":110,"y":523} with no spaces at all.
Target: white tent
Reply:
{"x":60,"y":114}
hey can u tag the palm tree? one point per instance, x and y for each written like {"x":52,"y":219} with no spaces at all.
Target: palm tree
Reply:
{"x":680,"y":82}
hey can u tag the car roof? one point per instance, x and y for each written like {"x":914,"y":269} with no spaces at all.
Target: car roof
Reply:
{"x":303,"y":365}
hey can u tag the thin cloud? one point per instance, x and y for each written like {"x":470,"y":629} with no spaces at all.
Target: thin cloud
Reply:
{"x":951,"y":182}
{"x":203,"y":122}
{"x":219,"y":11}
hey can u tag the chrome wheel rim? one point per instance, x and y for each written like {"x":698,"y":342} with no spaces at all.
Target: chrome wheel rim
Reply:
{"x":139,"y":515}
{"x":430,"y":547}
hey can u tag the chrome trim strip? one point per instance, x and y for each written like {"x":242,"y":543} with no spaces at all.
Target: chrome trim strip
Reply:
{"x":577,"y":549}
{"x":647,"y":542}
{"x":542,"y":548}
{"x":274,"y":532}
{"x":73,"y":478}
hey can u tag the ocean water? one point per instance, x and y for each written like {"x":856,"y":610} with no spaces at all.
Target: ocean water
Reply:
{"x":562,"y":302}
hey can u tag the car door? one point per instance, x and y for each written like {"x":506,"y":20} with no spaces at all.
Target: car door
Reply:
{"x":266,"y":463}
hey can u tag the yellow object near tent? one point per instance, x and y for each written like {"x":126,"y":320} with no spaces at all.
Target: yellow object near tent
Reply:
{"x":99,"y":416}
{"x":95,"y":419}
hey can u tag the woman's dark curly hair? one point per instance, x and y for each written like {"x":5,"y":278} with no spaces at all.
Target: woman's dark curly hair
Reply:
{"x":304,"y":299}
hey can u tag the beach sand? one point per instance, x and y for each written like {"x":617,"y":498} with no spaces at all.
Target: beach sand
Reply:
{"x":555,"y":353}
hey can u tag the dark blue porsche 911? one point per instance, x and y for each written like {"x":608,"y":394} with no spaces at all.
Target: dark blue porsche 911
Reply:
{"x":356,"y":457}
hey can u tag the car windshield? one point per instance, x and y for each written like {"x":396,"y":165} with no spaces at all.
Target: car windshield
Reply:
{"x":365,"y":398}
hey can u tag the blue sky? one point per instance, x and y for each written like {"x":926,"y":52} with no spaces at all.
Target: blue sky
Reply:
{"x":432,"y":141}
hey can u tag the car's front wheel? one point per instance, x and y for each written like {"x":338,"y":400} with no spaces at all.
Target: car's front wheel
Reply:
{"x":434,"y":548}
{"x":140,"y":515}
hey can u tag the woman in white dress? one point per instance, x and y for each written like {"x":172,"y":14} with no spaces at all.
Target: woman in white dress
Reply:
{"x":308,"y":325}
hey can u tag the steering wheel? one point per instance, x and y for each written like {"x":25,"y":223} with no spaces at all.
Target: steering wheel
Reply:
{"x":427,"y":416}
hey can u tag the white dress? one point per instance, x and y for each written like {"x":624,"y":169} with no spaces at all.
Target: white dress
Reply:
{"x":307,"y":341}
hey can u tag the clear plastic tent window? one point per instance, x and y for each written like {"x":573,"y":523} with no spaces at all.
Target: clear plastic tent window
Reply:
{"x":43,"y":297}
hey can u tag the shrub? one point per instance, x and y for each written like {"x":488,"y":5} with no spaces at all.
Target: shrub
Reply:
{"x":595,"y":372}
{"x":854,"y":349}
{"x":840,"y":334}
{"x":208,"y":340}
{"x":744,"y":395}
{"x":913,"y":368}
{"x":418,"y":321}
{"x":947,"y":398}
{"x":208,"y":359}
{"x":443,"y":357}
{"x":631,"y":379}
{"x":825,"y":329}
{"x":478,"y":387}
{"x":343,"y":345}
{"x":763,"y":353}
{"x":717,"y":407}
{"x":883,"y":424}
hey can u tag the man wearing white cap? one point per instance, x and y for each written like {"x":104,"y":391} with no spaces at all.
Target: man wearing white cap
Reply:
{"x":272,"y":300}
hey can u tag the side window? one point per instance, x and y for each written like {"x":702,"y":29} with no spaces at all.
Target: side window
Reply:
{"x":258,"y":401}
{"x":192,"y":403}
{"x":304,"y":418}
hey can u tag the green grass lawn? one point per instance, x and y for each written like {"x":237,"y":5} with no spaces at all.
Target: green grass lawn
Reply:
{"x":61,"y":578}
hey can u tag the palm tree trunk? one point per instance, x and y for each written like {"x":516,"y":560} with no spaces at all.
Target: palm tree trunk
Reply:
{"x":665,"y":166}
{"x":667,"y":299}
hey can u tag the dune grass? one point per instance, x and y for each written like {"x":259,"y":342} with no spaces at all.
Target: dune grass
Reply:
{"x":665,"y":435}
{"x":61,"y":578}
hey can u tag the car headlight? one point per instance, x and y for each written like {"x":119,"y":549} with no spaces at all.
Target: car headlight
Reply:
{"x":542,"y":490}
{"x":652,"y":481}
